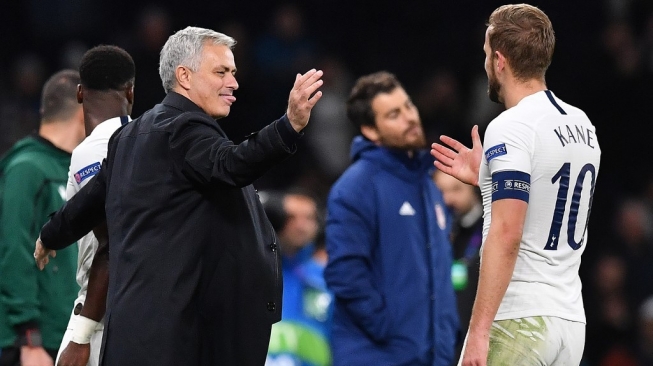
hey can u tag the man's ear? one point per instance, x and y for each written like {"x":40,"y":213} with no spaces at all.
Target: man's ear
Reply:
{"x":371,"y":133}
{"x":80,"y":94}
{"x":183,"y":75}
{"x":129,"y":94}
{"x":500,"y":61}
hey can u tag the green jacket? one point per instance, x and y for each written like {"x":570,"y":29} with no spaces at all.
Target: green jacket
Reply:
{"x":33,"y":176}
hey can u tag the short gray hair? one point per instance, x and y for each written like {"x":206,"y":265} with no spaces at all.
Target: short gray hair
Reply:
{"x":185,"y":48}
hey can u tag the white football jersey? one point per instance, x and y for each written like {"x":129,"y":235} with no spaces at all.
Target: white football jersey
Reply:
{"x":545,"y":152}
{"x":85,"y":163}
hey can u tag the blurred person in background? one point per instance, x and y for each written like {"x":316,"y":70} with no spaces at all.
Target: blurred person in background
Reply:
{"x":466,"y":236}
{"x":153,"y":26}
{"x":35,"y":306}
{"x":331,"y":131}
{"x":440,"y":105}
{"x":387,"y":239}
{"x":633,"y":229}
{"x":301,"y":338}
{"x":645,"y":333}
{"x":20,"y":103}
{"x":279,"y":52}
{"x":610,"y":314}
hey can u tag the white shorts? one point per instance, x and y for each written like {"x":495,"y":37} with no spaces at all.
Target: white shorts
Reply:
{"x":96,"y":343}
{"x":535,"y":341}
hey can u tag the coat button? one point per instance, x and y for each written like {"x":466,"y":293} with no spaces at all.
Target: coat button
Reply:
{"x":271,"y":306}
{"x":273,"y":247}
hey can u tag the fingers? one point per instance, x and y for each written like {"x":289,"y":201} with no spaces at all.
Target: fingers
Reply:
{"x":40,"y":263}
{"x":315,"y":98}
{"x":42,"y":257}
{"x":308,"y":85}
{"x":453,"y":143}
{"x":309,"y":77}
{"x":303,"y":97}
{"x":444,"y":168}
{"x":476,"y":138}
{"x":312,"y":87}
{"x":442,"y":153}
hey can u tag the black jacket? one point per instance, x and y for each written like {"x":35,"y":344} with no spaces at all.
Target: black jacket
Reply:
{"x":194,"y":265}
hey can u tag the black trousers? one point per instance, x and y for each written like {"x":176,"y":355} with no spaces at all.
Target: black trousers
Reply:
{"x":10,"y":356}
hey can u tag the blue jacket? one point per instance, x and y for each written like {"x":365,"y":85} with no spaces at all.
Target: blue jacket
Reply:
{"x":389,"y":262}
{"x":301,"y":337}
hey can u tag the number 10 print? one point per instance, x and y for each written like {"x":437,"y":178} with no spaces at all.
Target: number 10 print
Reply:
{"x":563,"y":176}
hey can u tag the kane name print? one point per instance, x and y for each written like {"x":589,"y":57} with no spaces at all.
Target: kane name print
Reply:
{"x":574,"y":135}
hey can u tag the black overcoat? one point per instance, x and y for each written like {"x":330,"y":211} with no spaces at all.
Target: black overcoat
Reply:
{"x":194,"y":268}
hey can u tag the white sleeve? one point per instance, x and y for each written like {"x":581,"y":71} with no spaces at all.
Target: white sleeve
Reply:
{"x":71,"y":187}
{"x":85,"y":163}
{"x":508,"y":148}
{"x":508,"y":145}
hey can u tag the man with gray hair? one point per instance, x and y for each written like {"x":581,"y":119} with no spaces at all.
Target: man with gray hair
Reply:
{"x":193,"y":260}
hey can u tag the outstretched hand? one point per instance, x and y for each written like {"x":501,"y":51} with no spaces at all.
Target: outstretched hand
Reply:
{"x":300,"y":102}
{"x":458,"y":160}
{"x":42,"y":254}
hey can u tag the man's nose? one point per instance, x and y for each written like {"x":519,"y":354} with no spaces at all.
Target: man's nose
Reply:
{"x":232,"y":83}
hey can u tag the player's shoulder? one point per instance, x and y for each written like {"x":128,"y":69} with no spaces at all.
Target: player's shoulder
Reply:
{"x":87,"y":151}
{"x":547,"y":104}
{"x":98,"y":139}
{"x":106,"y":129}
{"x":510,"y":122}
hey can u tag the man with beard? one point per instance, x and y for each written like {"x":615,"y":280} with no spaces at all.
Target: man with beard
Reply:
{"x":537,"y":173}
{"x":389,"y":264}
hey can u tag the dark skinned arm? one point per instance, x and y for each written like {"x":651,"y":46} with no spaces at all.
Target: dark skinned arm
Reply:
{"x":94,"y":307}
{"x":98,"y":279}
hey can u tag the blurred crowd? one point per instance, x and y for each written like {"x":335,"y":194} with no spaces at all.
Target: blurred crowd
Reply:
{"x":603,"y":64}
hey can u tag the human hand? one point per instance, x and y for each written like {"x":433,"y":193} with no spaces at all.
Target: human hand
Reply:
{"x":458,"y":160}
{"x":34,"y":356}
{"x":300,"y":102}
{"x":475,"y":351}
{"x":75,"y":354}
{"x":42,"y":254}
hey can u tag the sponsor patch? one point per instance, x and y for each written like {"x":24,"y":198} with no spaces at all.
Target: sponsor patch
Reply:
{"x":495,"y":151}
{"x":87,"y":172}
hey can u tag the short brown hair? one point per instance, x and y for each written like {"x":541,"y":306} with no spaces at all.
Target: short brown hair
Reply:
{"x":524,"y":35}
{"x":59,"y":96}
{"x":359,"y":104}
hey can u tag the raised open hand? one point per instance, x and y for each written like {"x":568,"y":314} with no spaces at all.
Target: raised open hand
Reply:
{"x":303,"y":97}
{"x":458,"y":160}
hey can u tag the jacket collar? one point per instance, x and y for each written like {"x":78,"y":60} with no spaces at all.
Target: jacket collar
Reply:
{"x":180,"y":102}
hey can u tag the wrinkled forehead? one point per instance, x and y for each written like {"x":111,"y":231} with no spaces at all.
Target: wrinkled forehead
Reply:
{"x":217,"y":55}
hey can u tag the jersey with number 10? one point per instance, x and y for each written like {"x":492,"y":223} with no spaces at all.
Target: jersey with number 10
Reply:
{"x":545,"y":152}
